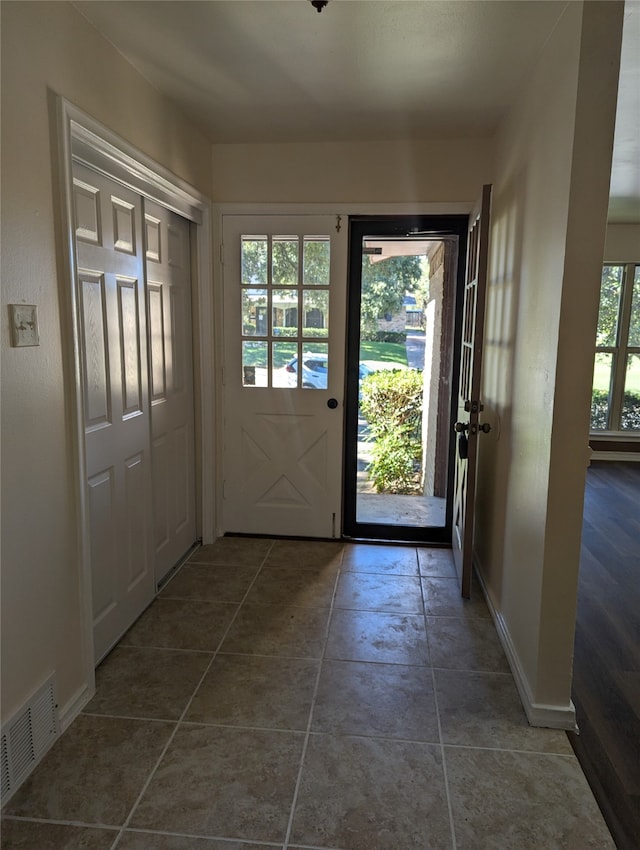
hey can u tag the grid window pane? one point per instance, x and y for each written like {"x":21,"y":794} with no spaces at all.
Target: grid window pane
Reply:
{"x":254,"y":312}
{"x":610,"y":289}
{"x":284,"y":312}
{"x":255,"y":251}
{"x":630,"y":419}
{"x":284,"y":296}
{"x":255,"y":362}
{"x":316,"y":261}
{"x":284,"y":359}
{"x":601,"y":394}
{"x":634,"y":327}
{"x":315,"y":313}
{"x":284,"y":261}
{"x":315,"y":366}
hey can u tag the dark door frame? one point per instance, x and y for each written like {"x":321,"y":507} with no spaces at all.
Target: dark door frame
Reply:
{"x":438,"y":226}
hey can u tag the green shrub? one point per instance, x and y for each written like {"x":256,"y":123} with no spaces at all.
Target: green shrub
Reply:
{"x":600,"y":411}
{"x":391,"y":399}
{"x":307,"y":333}
{"x":384,"y":336}
{"x":395,"y":467}
{"x":391,"y":402}
{"x":631,"y":412}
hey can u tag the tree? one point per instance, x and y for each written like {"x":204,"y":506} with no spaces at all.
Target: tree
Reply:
{"x":614,"y":371}
{"x":384,"y":285}
{"x":610,"y":289}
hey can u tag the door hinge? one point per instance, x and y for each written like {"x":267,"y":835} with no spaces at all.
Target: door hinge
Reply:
{"x":338,"y":223}
{"x":224,"y":489}
{"x":221,"y":254}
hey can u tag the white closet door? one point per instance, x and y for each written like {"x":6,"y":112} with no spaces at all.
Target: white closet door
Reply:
{"x":171,"y":376}
{"x":113,"y":342}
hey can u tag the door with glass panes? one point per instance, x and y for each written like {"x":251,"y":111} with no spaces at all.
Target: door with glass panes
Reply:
{"x":284,"y":332}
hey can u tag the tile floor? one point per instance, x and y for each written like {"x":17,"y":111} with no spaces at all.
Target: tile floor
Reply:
{"x":284,"y":694}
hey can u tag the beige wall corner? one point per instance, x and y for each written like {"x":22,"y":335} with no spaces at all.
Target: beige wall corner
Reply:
{"x":585,"y":245}
{"x":549,"y":213}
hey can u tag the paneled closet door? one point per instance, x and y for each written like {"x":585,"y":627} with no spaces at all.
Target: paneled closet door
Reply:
{"x":113,"y":343}
{"x":171,"y":375}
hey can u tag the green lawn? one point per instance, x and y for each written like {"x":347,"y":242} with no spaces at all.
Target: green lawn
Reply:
{"x":601,"y":374}
{"x":255,"y":353}
{"x":394,"y":352}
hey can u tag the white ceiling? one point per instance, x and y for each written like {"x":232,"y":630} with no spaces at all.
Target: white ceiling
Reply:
{"x":624,"y":195}
{"x":276,"y":70}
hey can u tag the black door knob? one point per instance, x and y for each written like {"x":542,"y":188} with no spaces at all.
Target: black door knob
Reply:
{"x":332,"y":403}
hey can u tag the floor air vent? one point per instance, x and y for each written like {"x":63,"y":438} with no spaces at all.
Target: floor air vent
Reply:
{"x":27,"y":737}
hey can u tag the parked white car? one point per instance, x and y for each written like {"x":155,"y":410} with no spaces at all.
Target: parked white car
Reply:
{"x":314,"y":370}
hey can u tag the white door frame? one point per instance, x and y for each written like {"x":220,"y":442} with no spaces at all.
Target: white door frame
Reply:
{"x":284,"y":209}
{"x":81,"y":138}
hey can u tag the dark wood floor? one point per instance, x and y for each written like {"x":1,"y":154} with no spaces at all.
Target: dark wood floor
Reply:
{"x":606,"y":685}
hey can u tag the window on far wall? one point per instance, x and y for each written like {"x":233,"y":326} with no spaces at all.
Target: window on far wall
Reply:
{"x":615,"y":401}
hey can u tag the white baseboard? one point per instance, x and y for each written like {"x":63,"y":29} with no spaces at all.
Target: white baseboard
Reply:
{"x":538,"y":714}
{"x":68,"y":713}
{"x":633,"y":456}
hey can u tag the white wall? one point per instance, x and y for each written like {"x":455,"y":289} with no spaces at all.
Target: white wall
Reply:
{"x":446,"y":171}
{"x":49,"y":46}
{"x":549,"y":215}
{"x":622,"y":243}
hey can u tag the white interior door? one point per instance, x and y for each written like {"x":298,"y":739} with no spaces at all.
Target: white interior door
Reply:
{"x":111,"y":299}
{"x":468,"y":425}
{"x":171,"y":376}
{"x":284,"y":342}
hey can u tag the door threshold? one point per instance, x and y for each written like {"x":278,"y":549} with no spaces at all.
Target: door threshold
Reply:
{"x":391,"y":542}
{"x":249,"y":536}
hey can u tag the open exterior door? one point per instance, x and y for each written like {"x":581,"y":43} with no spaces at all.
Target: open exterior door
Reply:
{"x":467,"y":426}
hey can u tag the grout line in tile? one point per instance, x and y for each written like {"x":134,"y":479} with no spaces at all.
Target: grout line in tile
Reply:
{"x":323,"y":734}
{"x":471,"y":670}
{"x":377,"y":663}
{"x":289,"y":605}
{"x":568,"y":756}
{"x":386,"y":612}
{"x":262,"y":655}
{"x":226,"y":566}
{"x":311,"y":847}
{"x":505,"y":673}
{"x":361,"y":661}
{"x":123,"y":645}
{"x":169,"y":597}
{"x":240,"y":842}
{"x":102,"y":714}
{"x":186,"y":709}
{"x":305,"y":745}
{"x":246,"y":728}
{"x":79,"y":823}
{"x":441,"y":743}
{"x":386,"y":573}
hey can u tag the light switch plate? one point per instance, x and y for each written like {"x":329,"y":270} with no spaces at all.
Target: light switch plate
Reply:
{"x":24,"y":324}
